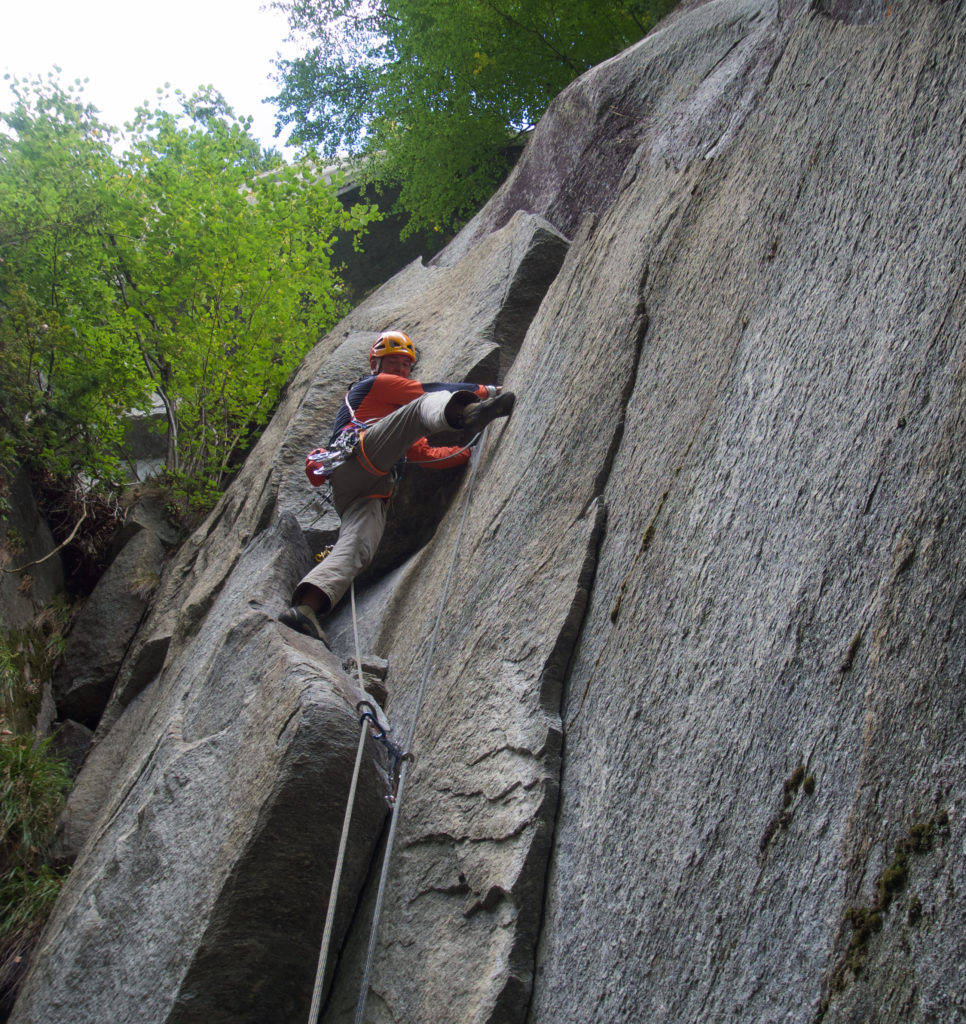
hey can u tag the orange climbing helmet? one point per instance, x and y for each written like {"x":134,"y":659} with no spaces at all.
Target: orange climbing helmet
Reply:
{"x":393,"y":343}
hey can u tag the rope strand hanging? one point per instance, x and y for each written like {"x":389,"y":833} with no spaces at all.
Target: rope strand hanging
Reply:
{"x":397,"y":803}
{"x":368,"y":716}
{"x":337,"y":874}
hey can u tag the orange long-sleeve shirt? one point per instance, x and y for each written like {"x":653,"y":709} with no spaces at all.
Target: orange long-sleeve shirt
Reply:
{"x":373,"y":397}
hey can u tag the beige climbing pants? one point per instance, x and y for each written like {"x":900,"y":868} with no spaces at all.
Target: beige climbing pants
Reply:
{"x":361,"y":487}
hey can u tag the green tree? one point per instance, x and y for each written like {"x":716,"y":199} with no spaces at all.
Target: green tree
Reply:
{"x":227,"y":278}
{"x":430,"y":93}
{"x":193,"y":266}
{"x":66,"y":372}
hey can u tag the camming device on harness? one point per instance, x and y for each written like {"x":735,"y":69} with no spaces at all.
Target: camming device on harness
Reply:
{"x":321,"y":463}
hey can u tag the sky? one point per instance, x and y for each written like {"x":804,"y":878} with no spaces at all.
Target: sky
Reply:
{"x":127,"y":48}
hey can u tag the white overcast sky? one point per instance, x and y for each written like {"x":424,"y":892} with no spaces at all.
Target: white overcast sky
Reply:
{"x":127,"y":48}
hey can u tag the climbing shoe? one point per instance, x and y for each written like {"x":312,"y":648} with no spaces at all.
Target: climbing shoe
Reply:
{"x":477,"y":415}
{"x":303,"y":620}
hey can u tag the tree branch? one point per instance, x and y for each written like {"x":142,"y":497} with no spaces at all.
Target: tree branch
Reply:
{"x":63,"y":544}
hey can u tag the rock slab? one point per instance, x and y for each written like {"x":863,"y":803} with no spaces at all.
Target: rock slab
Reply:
{"x":689,"y":733}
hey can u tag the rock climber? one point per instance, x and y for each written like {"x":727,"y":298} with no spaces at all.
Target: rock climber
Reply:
{"x":391,"y":414}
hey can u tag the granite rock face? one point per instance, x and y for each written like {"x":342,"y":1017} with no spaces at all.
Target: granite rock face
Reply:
{"x":229,"y":776}
{"x":689,"y":733}
{"x":32,"y":573}
{"x":104,"y":628}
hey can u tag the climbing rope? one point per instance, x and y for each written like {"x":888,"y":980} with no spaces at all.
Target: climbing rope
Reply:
{"x":400,"y":786}
{"x":397,"y":756}
{"x":367,"y":716}
{"x":355,"y":633}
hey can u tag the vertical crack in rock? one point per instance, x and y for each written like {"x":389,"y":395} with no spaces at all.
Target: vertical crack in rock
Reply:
{"x":467,"y":883}
{"x":555,"y":670}
{"x":555,"y":678}
{"x":553,"y":683}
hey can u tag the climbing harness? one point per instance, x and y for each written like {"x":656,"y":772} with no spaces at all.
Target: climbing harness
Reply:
{"x":400,"y":785}
{"x":321,"y":463}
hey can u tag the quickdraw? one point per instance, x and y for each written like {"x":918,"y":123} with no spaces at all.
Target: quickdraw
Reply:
{"x":396,"y":753}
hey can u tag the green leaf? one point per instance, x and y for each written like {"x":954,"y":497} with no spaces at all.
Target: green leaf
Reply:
{"x":431,"y":94}
{"x":193,"y":263}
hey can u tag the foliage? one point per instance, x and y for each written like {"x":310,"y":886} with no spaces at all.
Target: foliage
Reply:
{"x":33,"y":782}
{"x":27,"y":659}
{"x":66,"y":374}
{"x":26,"y":896}
{"x":431,"y":93}
{"x":220,"y":344}
{"x":194,"y":267}
{"x":32,"y":787}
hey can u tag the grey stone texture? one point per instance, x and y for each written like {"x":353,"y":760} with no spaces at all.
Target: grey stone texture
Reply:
{"x":104,"y":627}
{"x":31,"y":572}
{"x":693,"y":715}
{"x":228,"y":783}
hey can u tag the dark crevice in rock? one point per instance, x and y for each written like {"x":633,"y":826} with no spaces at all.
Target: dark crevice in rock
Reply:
{"x":448,"y":839}
{"x":853,"y":12}
{"x":556,"y":668}
{"x":490,"y":900}
{"x":525,"y":292}
{"x":142,"y":665}
{"x":513,"y":1001}
{"x":296,"y":713}
{"x":505,"y":749}
{"x":639,"y":332}
{"x":266,"y":503}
